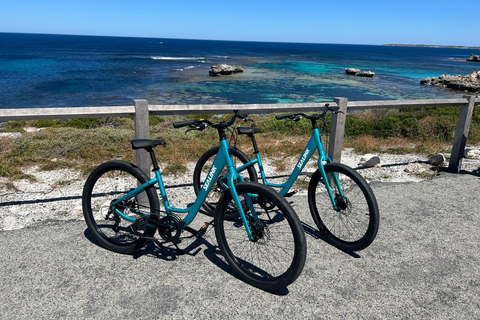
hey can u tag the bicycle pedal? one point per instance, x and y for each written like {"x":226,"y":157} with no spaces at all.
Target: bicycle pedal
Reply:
{"x":291,"y":193}
{"x":141,"y":223}
{"x":201,"y":232}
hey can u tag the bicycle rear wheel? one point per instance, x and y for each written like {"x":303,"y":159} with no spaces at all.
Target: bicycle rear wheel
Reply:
{"x":354,"y":225}
{"x":200,"y":173}
{"x":276,"y":257}
{"x":108,"y":182}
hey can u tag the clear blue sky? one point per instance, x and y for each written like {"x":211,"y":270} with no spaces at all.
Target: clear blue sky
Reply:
{"x":317,"y":21}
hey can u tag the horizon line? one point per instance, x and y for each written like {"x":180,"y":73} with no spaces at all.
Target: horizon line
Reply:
{"x":258,"y":41}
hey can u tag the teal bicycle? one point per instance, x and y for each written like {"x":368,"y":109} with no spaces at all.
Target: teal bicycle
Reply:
{"x":341,"y":202}
{"x":265,"y":245}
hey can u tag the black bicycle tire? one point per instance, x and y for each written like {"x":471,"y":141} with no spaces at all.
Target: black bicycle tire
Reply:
{"x":374,"y":217}
{"x":101,"y":237}
{"x":293,"y":222}
{"x":208,"y":207}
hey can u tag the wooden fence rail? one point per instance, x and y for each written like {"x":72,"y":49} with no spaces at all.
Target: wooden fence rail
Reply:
{"x":141,"y":110}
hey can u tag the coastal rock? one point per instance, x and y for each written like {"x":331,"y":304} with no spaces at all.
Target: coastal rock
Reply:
{"x":368,"y":74}
{"x":472,"y":154}
{"x":473,"y":58}
{"x":370,"y":161}
{"x":469,"y":82}
{"x":352,"y":71}
{"x":437,"y":160}
{"x":224,"y":69}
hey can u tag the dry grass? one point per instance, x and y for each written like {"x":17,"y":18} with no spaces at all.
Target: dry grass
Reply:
{"x":395,"y":145}
{"x":84,"y":148}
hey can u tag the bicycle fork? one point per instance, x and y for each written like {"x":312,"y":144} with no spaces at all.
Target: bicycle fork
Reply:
{"x":333,"y":177}
{"x":233,"y":175}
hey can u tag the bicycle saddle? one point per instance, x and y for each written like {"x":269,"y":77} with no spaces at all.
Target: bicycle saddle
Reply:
{"x":146,"y":143}
{"x":248,"y":130}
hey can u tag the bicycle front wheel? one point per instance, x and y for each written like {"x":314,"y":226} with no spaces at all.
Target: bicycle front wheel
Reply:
{"x":111,"y":181}
{"x":200,"y":174}
{"x":353,"y":225}
{"x":276,"y":255}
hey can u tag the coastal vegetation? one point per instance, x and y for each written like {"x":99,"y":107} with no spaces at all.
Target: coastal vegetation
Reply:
{"x":82,"y":144}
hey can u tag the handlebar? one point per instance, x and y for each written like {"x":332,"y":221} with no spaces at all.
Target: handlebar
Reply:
{"x":283,"y":116}
{"x":297,"y":116}
{"x":185,"y":123}
{"x":201,"y":124}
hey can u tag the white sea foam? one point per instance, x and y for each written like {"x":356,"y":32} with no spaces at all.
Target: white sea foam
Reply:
{"x":178,"y":58}
{"x":189,"y":67}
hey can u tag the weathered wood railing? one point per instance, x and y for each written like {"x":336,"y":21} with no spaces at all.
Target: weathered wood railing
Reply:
{"x":141,"y":110}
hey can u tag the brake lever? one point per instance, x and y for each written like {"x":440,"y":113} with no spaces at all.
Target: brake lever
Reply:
{"x":295,"y":118}
{"x":199,"y":127}
{"x":244,"y":116}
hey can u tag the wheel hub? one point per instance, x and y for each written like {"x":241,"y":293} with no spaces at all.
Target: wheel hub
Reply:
{"x":259,"y":230}
{"x":342,"y":203}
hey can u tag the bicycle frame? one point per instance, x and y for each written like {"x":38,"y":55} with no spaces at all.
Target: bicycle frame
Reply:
{"x":313,"y":144}
{"x":222,"y":159}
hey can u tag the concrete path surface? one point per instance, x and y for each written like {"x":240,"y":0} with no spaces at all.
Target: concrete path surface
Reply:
{"x":424,"y":264}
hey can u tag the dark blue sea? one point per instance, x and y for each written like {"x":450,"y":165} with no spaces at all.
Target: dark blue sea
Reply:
{"x":77,"y":71}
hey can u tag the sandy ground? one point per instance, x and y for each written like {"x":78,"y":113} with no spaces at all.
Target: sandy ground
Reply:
{"x":56,"y":195}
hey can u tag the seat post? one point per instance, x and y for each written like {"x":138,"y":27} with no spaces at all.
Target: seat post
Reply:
{"x":154,"y":159}
{"x":254,"y":142}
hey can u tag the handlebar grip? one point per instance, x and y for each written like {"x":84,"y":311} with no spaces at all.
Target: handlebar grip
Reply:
{"x":283,"y":116}
{"x":185,"y":123}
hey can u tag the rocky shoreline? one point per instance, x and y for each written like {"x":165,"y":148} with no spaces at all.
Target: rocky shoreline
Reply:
{"x":57,"y":194}
{"x":468,"y":83}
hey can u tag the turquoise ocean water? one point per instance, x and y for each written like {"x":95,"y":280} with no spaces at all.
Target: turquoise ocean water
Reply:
{"x":75,"y":71}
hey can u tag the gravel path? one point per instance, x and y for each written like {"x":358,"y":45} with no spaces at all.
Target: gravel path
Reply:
{"x":423,"y":264}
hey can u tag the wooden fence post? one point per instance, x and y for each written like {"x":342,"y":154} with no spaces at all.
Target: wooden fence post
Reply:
{"x":337,"y":130}
{"x":142,"y":131}
{"x":461,"y":134}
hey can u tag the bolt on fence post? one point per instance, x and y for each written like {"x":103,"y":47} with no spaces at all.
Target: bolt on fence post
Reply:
{"x":461,"y":134}
{"x":142,"y":131}
{"x":337,"y":130}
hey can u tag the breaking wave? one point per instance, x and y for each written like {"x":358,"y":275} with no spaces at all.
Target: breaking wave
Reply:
{"x":179,"y":58}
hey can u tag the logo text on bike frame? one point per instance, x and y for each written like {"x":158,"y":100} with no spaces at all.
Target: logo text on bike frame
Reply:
{"x":303,"y":158}
{"x":207,"y":181}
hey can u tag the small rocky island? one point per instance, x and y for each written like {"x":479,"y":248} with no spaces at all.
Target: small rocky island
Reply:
{"x":473,"y":58}
{"x":224,"y":69}
{"x":469,"y":83}
{"x":357,"y":72}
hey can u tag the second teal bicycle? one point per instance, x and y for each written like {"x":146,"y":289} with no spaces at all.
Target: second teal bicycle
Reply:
{"x":341,"y":202}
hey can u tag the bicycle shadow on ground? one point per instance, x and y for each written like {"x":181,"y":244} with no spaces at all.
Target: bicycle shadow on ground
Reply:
{"x":166,"y":250}
{"x":163,"y":249}
{"x":475,"y":173}
{"x":317,"y":235}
